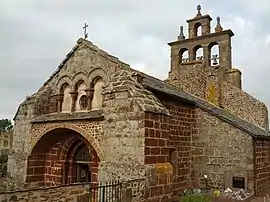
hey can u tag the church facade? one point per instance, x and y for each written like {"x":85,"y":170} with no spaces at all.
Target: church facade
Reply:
{"x":96,"y":119}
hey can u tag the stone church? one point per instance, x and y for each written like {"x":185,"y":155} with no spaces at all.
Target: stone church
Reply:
{"x":96,"y":119}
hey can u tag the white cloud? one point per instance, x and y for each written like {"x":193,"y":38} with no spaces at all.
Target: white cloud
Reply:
{"x":267,"y":40}
{"x":36,"y":35}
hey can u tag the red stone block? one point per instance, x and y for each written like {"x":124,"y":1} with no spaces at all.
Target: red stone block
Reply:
{"x":156,"y":125}
{"x":157,"y":133}
{"x":160,"y":159}
{"x":150,"y":159}
{"x":36,"y":163}
{"x":147,"y":151}
{"x":154,"y":117}
{"x":151,"y":142}
{"x":151,"y":133}
{"x":161,"y":142}
{"x":149,"y":124}
{"x":31,"y":157}
{"x":39,"y":170}
{"x":35,"y":178}
{"x":155,"y":151}
{"x":30,"y":171}
{"x":147,"y":115}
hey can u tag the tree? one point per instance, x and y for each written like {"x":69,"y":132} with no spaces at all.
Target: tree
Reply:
{"x":5,"y":125}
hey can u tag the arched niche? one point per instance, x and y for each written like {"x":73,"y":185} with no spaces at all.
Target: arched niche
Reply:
{"x":183,"y":55}
{"x":198,"y":53}
{"x":67,"y":99}
{"x":81,"y":101}
{"x":198,"y":29}
{"x":214,"y":54}
{"x":97,"y":85}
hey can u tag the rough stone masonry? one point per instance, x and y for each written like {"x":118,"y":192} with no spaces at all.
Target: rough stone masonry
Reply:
{"x":96,"y":119}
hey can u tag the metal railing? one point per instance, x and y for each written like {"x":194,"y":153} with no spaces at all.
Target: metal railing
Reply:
{"x":105,"y":192}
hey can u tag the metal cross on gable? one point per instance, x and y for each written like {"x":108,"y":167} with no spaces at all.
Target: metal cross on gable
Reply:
{"x":85,"y":33}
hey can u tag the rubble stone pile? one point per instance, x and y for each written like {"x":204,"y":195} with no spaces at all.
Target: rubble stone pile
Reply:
{"x":240,"y":194}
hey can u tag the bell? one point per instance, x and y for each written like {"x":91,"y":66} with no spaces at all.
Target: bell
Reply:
{"x":215,"y":57}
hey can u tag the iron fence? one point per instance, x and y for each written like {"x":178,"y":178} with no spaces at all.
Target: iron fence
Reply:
{"x":104,"y":192}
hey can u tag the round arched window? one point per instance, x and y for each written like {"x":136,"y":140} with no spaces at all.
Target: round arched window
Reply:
{"x":83,"y":102}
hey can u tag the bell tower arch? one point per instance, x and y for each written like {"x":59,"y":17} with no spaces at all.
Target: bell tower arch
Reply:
{"x":209,"y":52}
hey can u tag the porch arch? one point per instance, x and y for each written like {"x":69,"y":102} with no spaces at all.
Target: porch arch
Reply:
{"x":38,"y":134}
{"x":62,"y":156}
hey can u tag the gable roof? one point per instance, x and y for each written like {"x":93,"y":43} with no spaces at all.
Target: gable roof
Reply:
{"x":157,"y":85}
{"x":91,"y":46}
{"x":153,"y":84}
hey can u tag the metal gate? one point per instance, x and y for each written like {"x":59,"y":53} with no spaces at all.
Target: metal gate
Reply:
{"x":103,"y":192}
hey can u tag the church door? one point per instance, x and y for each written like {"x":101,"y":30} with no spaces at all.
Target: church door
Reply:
{"x":82,"y":159}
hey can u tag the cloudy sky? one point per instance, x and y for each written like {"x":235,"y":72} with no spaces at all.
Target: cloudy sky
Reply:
{"x":36,"y":35}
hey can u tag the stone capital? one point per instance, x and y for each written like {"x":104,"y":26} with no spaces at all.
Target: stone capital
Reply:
{"x":60,"y":97}
{"x":74,"y":94}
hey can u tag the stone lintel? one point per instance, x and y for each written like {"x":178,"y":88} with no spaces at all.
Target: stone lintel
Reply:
{"x":94,"y":114}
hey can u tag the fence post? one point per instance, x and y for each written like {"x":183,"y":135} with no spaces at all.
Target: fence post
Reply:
{"x":127,"y":195}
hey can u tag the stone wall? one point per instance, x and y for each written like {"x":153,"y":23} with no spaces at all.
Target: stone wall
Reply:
{"x":21,"y":135}
{"x":182,"y":126}
{"x":208,"y":84}
{"x":191,"y":78}
{"x":157,"y":147}
{"x":84,"y":62}
{"x":123,"y":136}
{"x":262,"y":167}
{"x":72,"y":193}
{"x":168,"y":149}
{"x":221,"y":151}
{"x":244,"y":105}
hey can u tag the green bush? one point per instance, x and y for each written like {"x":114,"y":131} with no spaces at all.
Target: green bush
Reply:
{"x":195,"y":198}
{"x":193,"y":195}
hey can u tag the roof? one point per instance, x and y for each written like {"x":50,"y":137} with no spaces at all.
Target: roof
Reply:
{"x":123,"y":80}
{"x":155,"y":84}
{"x":90,"y":45}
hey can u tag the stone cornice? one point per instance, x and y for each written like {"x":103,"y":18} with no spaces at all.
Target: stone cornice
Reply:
{"x":225,"y":32}
{"x":56,"y":117}
{"x":200,"y":17}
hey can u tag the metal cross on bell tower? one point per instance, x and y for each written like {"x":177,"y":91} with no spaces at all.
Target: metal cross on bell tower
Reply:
{"x":85,"y":33}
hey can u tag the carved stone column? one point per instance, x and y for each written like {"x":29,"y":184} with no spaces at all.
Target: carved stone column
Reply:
{"x":60,"y":98}
{"x":74,"y":96}
{"x":90,"y":95}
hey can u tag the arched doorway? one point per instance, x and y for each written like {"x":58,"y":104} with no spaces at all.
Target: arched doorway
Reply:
{"x":62,"y":156}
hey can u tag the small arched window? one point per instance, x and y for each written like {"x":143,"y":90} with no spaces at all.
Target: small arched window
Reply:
{"x":97,"y":86}
{"x":198,"y":53}
{"x":183,"y":55}
{"x":198,"y":29}
{"x":214,"y":54}
{"x":81,"y":102}
{"x":67,"y":99}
